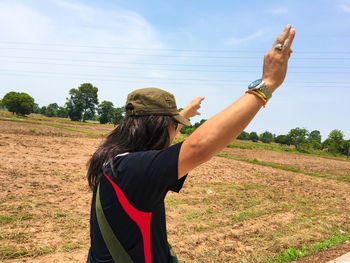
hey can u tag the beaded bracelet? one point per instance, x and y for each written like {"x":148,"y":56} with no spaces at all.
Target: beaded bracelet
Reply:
{"x":259,"y":95}
{"x":260,"y":92}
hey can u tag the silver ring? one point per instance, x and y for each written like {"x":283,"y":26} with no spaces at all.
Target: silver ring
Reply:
{"x":279,"y":47}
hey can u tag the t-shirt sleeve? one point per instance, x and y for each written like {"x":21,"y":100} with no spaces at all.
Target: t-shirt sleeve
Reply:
{"x":153,"y":174}
{"x":165,"y":168}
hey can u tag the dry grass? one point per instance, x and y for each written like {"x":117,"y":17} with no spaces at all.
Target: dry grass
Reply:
{"x":228,"y":210}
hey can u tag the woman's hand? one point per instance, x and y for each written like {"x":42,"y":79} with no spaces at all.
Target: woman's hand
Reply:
{"x":192,"y":108}
{"x":276,"y":60}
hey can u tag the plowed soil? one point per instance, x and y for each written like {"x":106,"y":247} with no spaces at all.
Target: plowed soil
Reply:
{"x":228,"y":210}
{"x":305,"y":162}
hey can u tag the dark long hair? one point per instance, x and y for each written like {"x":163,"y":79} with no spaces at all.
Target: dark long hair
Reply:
{"x":134,"y":134}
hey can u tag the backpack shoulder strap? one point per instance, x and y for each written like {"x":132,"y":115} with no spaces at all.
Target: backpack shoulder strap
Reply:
{"x":114,"y":247}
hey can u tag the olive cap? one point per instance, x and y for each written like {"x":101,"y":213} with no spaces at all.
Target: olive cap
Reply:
{"x":153,"y":101}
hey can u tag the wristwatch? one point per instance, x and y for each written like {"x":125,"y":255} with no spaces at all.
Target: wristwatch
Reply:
{"x":260,"y":85}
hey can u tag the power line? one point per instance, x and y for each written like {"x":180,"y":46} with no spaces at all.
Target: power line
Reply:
{"x":132,"y":68}
{"x":166,"y":49}
{"x":127,"y":62}
{"x":157,"y":82}
{"x":175,"y":70}
{"x":162,"y":55}
{"x":157,"y":64}
{"x":114,"y":76}
{"x":156,"y":79}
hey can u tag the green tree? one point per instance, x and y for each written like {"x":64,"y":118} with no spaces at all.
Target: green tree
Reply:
{"x":243,"y":136}
{"x":82,"y":102}
{"x":62,"y":112}
{"x":51,"y":110}
{"x":266,"y":137}
{"x":43,"y":110}
{"x":18,"y":102}
{"x":332,"y":147}
{"x":346,"y":145}
{"x":315,"y":144}
{"x":337,"y":137}
{"x":36,"y":108}
{"x":74,"y":109}
{"x":325,"y":144}
{"x":117,"y":115}
{"x":253,"y":136}
{"x":314,"y":136}
{"x":298,"y":138}
{"x":190,"y":129}
{"x":106,"y":111}
{"x":282,"y":139}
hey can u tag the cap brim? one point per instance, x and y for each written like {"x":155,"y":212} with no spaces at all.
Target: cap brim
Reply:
{"x":180,"y":119}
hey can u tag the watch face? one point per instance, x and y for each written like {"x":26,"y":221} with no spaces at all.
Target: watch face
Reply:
{"x":254,"y":83}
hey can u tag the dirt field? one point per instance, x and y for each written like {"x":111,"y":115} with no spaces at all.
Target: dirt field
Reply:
{"x":228,"y":210}
{"x":307,"y":163}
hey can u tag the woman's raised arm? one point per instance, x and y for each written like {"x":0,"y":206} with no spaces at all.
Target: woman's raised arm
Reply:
{"x":217,"y":132}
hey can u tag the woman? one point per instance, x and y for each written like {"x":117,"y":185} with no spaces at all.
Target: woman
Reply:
{"x":132,"y":171}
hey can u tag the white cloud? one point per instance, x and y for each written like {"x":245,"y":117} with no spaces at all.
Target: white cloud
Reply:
{"x":344,"y":8}
{"x":278,"y":11}
{"x":236,"y":41}
{"x":82,"y":24}
{"x":55,"y":38}
{"x":82,"y":11}
{"x":21,"y":23}
{"x":118,"y":27}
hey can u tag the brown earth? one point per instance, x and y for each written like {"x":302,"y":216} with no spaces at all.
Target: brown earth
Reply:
{"x":308,"y":163}
{"x":228,"y":211}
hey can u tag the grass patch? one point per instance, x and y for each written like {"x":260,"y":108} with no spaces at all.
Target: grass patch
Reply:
{"x":258,"y":145}
{"x":40,"y":117}
{"x":16,"y":236}
{"x":173,"y":202}
{"x":15,"y":119}
{"x":4,"y":219}
{"x":60,"y":214}
{"x":71,"y":246}
{"x":12,"y":252}
{"x":254,"y":186}
{"x":202,"y":228}
{"x":344,"y":178}
{"x":292,"y":253}
{"x":192,"y":215}
{"x":283,"y":167}
{"x":247,"y":215}
{"x":249,"y":204}
{"x":241,"y":144}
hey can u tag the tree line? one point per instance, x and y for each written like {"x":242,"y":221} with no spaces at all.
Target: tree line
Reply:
{"x":301,"y":138}
{"x":82,"y":104}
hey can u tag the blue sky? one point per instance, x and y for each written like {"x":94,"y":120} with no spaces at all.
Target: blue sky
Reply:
{"x":190,"y":48}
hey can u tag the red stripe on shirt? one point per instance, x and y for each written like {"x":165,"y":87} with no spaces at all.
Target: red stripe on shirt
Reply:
{"x":142,"y":219}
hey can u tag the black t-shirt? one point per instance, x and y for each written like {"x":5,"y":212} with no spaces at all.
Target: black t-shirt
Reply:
{"x":133,"y":203}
